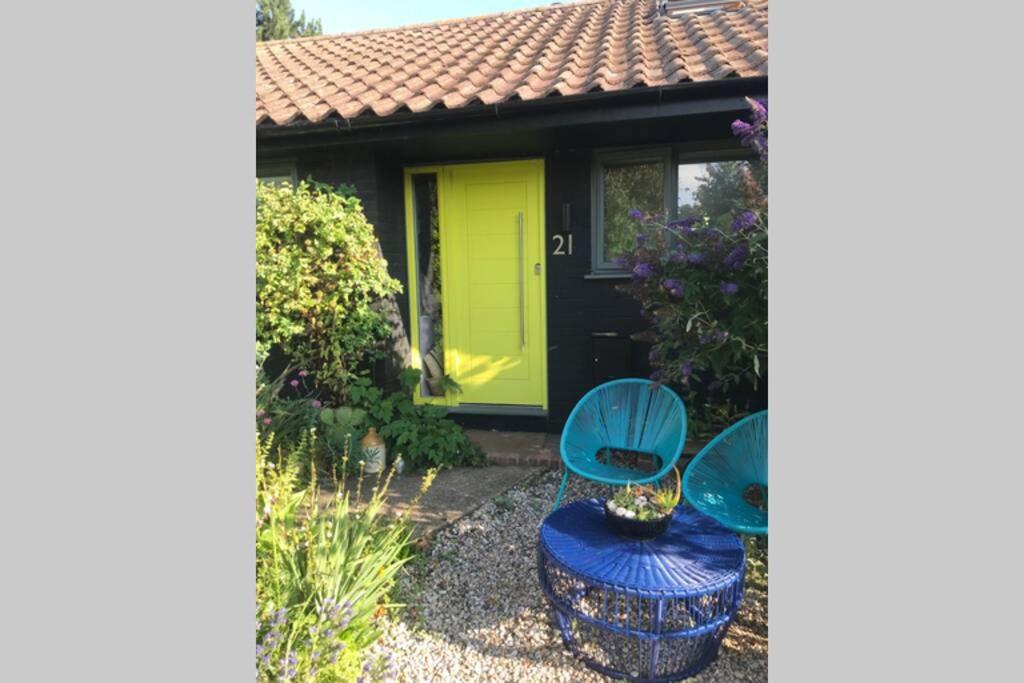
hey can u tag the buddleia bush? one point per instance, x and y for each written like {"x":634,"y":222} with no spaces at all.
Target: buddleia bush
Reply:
{"x":318,"y":273}
{"x":702,"y":282}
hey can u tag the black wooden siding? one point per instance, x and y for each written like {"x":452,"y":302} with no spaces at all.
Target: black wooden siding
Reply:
{"x":578,"y":306}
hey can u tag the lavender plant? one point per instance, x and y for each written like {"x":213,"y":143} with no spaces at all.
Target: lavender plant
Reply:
{"x":323,"y":572}
{"x":703,"y":286}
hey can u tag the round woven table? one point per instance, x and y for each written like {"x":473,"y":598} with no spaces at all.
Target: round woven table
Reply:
{"x":652,"y":610}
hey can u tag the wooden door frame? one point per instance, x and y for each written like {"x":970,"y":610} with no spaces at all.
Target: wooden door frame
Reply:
{"x":443,"y":188}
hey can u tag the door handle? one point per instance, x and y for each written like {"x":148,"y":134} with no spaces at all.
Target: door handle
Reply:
{"x":522,"y":287}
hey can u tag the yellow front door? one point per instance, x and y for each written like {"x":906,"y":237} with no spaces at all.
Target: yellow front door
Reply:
{"x":492,"y":248}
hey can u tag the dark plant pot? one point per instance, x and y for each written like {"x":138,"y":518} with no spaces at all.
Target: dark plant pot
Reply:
{"x":635,"y":529}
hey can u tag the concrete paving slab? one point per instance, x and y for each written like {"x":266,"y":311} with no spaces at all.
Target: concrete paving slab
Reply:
{"x":454,"y":493}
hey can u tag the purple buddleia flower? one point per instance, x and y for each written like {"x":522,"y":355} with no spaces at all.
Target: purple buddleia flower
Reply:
{"x":678,"y":256}
{"x":641,"y":240}
{"x":729,"y":288}
{"x":744,"y":221}
{"x":686,"y":368}
{"x":636,"y":214}
{"x":674,"y":287}
{"x":643,"y":271}
{"x":737,"y":256}
{"x":742,"y":129}
{"x":696,"y":257}
{"x":759,"y":110}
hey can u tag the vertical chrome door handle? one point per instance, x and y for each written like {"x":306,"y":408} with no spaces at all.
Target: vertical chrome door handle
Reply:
{"x":522,"y":286}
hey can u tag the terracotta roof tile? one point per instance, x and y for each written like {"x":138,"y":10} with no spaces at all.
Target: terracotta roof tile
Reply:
{"x":562,"y":49}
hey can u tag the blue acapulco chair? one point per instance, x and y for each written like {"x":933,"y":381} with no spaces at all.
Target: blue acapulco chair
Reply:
{"x":728,"y":479}
{"x":624,"y":414}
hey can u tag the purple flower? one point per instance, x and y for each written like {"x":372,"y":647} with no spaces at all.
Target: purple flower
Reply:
{"x":742,"y":128}
{"x":641,"y":240}
{"x":696,"y":257}
{"x":677,"y":256}
{"x":674,"y":287}
{"x":737,"y":256}
{"x":729,"y":288}
{"x":267,"y":420}
{"x":636,"y":214}
{"x":744,"y":221}
{"x":294,"y":382}
{"x":316,"y":404}
{"x":643,"y":271}
{"x":759,"y":107}
{"x":303,"y":373}
{"x":686,"y":368}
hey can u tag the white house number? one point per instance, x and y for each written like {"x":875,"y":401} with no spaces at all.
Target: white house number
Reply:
{"x":563,"y":245}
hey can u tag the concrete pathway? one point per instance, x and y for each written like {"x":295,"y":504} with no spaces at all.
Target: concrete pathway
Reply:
{"x":514,"y":458}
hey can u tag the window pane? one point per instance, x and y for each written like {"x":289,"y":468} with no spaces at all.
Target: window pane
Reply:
{"x":629,"y":186}
{"x":713,"y":189}
{"x":428,"y":282}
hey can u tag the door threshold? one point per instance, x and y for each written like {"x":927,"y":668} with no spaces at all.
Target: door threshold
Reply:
{"x":497,"y":409}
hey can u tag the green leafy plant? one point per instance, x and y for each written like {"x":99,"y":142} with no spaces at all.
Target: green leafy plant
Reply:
{"x":323,"y":572}
{"x":319,"y":273}
{"x":342,"y":428}
{"x":422,"y":434}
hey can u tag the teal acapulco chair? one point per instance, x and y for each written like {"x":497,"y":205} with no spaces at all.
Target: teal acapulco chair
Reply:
{"x":728,"y":480}
{"x":633,"y":415}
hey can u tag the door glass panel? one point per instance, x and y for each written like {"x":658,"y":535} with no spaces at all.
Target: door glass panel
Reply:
{"x":428,"y":283}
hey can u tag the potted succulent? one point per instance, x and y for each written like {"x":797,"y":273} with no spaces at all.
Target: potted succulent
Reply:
{"x":642,"y":512}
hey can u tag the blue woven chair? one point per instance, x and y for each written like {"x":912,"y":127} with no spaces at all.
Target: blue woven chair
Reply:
{"x":628,"y":415}
{"x":728,"y":480}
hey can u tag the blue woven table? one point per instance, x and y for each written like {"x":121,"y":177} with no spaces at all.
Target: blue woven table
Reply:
{"x":642,"y":610}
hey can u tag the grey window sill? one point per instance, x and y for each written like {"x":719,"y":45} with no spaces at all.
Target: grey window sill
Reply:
{"x":607,"y":275}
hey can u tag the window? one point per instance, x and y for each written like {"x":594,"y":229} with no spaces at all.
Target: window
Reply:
{"x":277,"y":173}
{"x":622,"y":182}
{"x":660,"y":182}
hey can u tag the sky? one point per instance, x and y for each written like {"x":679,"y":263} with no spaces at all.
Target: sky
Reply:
{"x":343,"y":16}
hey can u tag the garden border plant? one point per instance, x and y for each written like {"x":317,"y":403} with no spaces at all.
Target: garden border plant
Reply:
{"x":319,"y":272}
{"x":323,"y":573}
{"x":703,"y":286}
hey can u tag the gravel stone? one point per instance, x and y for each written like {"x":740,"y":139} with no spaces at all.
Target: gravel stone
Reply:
{"x":475,"y":610}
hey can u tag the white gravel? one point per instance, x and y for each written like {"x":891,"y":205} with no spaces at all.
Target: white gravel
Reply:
{"x":476,"y":611}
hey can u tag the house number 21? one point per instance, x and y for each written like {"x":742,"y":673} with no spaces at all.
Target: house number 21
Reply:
{"x":563,"y":245}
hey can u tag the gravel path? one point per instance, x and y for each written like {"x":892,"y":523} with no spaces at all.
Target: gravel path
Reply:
{"x":476,"y":611}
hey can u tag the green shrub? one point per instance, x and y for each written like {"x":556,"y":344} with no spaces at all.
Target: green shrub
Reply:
{"x":702,"y":282}
{"x":318,"y":272}
{"x":323,"y":574}
{"x":421,"y":434}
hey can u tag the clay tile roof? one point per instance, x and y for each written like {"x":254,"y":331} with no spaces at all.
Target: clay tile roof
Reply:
{"x":556,"y":50}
